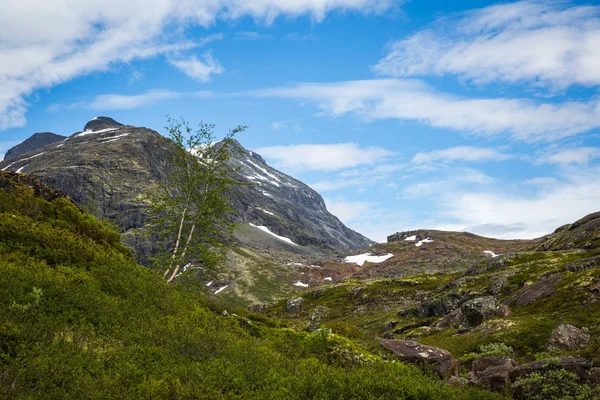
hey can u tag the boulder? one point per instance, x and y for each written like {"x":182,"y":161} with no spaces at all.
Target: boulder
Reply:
{"x":541,"y":288}
{"x":493,"y":372}
{"x":503,"y":311}
{"x":293,"y":305}
{"x":568,"y":337}
{"x":455,"y":319}
{"x":478,"y":310}
{"x":409,"y":351}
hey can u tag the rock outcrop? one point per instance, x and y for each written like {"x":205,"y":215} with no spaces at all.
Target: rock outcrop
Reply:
{"x":293,"y":305}
{"x":568,"y":337}
{"x":440,"y":361}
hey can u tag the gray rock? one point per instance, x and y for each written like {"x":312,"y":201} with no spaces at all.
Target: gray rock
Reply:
{"x":455,"y":319}
{"x":293,"y":305}
{"x":478,"y":310}
{"x":503,"y":311}
{"x":225,"y":313}
{"x":439,"y":360}
{"x":543,"y":287}
{"x":493,"y":372}
{"x":568,"y":337}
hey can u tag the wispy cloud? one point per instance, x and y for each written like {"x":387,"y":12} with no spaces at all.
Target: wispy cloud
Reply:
{"x":577,"y":155}
{"x":550,"y":43}
{"x":45,"y":44}
{"x":114,"y":101}
{"x":414,"y":100}
{"x":461,"y":153}
{"x":200,"y":70}
{"x":323,"y":157}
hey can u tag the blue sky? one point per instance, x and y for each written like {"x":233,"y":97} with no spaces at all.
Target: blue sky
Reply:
{"x":478,"y":116}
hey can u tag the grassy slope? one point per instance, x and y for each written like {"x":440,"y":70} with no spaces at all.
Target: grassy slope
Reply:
{"x":79,"y":319}
{"x":363,"y":309}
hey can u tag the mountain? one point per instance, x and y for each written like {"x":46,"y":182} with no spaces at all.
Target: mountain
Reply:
{"x":108,"y":166}
{"x":80,"y":319}
{"x":280,"y":221}
{"x":37,"y":141}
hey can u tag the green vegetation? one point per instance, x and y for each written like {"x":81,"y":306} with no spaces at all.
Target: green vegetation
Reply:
{"x":80,"y":319}
{"x":554,"y":384}
{"x":191,"y":209}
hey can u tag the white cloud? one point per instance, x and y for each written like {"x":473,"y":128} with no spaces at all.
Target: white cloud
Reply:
{"x":578,"y":155}
{"x":114,"y":101}
{"x":461,"y":153}
{"x":45,"y":43}
{"x":543,"y":43}
{"x":413,"y":100}
{"x":199,"y":70}
{"x":323,"y":157}
{"x":276,"y":125}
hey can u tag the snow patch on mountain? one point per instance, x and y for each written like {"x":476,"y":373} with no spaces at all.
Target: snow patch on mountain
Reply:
{"x":428,"y":240}
{"x":266,"y":230}
{"x":360,"y":259}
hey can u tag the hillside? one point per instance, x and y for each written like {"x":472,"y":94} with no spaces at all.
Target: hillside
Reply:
{"x":540,"y":308}
{"x":80,"y":319}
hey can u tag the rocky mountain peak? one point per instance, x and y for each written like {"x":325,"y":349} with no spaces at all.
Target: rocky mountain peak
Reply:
{"x":36,"y":141}
{"x":99,"y":123}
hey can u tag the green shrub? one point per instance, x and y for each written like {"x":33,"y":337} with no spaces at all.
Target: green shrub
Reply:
{"x":554,"y":384}
{"x":492,"y":349}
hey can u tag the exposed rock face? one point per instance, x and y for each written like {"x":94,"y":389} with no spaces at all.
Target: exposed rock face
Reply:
{"x":455,"y":319}
{"x":35,"y":142}
{"x":293,"y":305}
{"x":528,"y":294}
{"x":567,"y":337}
{"x":582,"y":234}
{"x":100,"y":123}
{"x":493,"y":372}
{"x":439,"y":360}
{"x":478,"y":310}
{"x":109,"y":166}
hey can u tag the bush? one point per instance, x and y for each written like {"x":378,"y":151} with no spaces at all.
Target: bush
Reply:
{"x":554,"y":384}
{"x":486,"y":350}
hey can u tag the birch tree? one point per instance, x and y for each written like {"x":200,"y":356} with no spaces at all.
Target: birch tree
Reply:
{"x":191,"y":209}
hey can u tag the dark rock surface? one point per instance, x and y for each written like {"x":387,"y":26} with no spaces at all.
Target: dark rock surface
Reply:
{"x":478,"y":310}
{"x":35,"y":142}
{"x":409,"y":351}
{"x":493,"y":372}
{"x":541,"y":288}
{"x":568,"y":337}
{"x":293,"y":305}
